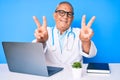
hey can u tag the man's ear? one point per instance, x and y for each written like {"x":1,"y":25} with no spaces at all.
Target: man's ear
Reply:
{"x":54,"y":15}
{"x":72,"y":17}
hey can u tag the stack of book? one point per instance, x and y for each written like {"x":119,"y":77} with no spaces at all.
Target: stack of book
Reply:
{"x":98,"y":68}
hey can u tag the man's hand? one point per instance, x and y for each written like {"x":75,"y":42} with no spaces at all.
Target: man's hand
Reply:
{"x":86,"y":33}
{"x":41,"y":32}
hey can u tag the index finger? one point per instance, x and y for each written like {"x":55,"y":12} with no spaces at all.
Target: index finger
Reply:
{"x":91,"y":21}
{"x":37,"y":21}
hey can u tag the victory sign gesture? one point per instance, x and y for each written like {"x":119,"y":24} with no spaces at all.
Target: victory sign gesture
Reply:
{"x":86,"y":32}
{"x":41,"y":32}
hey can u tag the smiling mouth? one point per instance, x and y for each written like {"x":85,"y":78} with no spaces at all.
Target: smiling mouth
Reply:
{"x":64,"y":21}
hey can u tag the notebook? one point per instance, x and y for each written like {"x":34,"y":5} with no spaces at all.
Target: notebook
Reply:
{"x":26,"y":57}
{"x":98,"y":68}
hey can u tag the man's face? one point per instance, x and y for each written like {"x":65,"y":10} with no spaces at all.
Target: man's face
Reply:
{"x":63,"y":17}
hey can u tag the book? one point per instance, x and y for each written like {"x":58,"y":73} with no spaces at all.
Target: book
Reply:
{"x":98,"y":68}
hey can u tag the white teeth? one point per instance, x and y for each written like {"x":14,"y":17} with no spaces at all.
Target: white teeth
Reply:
{"x":63,"y":21}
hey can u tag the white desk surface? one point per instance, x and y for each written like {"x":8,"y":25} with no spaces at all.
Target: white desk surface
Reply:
{"x":66,"y":74}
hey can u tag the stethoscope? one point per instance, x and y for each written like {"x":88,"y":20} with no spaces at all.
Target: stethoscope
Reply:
{"x":71,"y":42}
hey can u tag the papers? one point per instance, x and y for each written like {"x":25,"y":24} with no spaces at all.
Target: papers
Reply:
{"x":98,"y":68}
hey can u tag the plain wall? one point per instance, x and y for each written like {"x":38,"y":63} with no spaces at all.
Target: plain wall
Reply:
{"x":16,"y":23}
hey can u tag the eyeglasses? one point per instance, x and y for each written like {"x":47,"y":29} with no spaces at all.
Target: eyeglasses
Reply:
{"x":62,"y":13}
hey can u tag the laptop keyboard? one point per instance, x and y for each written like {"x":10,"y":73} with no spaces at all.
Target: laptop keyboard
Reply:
{"x":52,"y":70}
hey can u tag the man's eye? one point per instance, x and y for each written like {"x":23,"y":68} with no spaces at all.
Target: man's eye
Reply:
{"x":61,"y":12}
{"x":70,"y":14}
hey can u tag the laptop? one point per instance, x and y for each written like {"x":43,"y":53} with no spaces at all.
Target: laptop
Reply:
{"x":29,"y":58}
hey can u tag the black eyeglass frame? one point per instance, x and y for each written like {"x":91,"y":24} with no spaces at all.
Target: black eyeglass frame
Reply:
{"x":69,"y":14}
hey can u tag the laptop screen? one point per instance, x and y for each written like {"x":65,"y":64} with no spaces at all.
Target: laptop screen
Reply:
{"x":26,"y":57}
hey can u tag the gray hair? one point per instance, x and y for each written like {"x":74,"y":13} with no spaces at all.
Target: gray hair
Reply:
{"x":65,"y":2}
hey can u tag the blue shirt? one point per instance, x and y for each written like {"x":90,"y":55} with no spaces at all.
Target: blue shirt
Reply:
{"x":61,"y":38}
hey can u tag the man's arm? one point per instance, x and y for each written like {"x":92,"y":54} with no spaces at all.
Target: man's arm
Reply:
{"x":86,"y":34}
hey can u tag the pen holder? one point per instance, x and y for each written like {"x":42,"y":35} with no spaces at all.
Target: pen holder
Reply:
{"x":77,"y":70}
{"x":77,"y":73}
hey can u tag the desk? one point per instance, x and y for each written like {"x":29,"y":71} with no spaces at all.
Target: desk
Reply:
{"x":66,"y":74}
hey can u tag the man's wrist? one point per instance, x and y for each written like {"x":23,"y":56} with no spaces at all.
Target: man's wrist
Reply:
{"x":86,"y":46}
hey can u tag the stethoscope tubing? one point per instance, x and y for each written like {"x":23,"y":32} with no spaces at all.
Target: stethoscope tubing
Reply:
{"x":68,"y":35}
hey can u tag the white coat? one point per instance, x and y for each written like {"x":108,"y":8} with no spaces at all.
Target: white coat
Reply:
{"x":72,"y":50}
